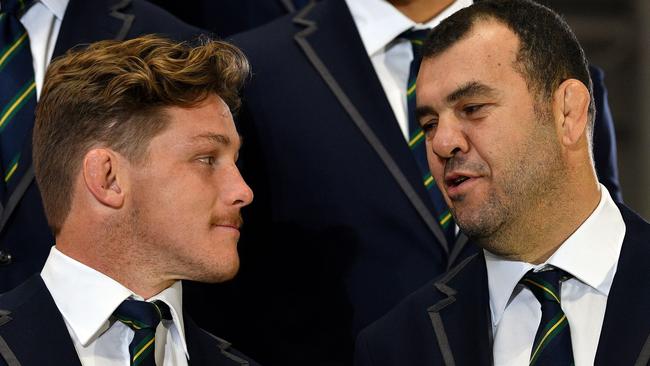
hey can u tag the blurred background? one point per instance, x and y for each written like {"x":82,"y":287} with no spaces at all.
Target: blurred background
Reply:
{"x":616,"y":36}
{"x":614,"y":33}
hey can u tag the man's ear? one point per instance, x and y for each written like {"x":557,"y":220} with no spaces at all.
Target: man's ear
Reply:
{"x":572,"y":100}
{"x":101,"y":174}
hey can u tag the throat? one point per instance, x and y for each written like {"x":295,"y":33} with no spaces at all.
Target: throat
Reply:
{"x":421,"y":11}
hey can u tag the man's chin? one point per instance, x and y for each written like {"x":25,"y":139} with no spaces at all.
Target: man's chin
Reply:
{"x":217,"y":273}
{"x":475,"y":225}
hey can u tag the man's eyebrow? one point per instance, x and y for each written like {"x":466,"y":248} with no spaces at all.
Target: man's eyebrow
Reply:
{"x":422,"y":111}
{"x":214,"y":138}
{"x":470,"y":89}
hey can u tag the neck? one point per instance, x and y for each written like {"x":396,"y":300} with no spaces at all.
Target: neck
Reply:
{"x":113,"y":257}
{"x":421,"y":11}
{"x":534,"y":236}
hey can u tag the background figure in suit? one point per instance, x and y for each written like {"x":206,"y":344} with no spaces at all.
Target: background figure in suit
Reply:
{"x":134,"y":153}
{"x":343,"y":227}
{"x":53,"y":27}
{"x":505,"y":98}
{"x":227,"y":17}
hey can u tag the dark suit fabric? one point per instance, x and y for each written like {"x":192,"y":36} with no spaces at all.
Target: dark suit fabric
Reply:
{"x":447,"y":321}
{"x":25,"y":233}
{"x":332,"y":241}
{"x":604,"y":138}
{"x":34,"y":333}
{"x":334,"y":238}
{"x":227,"y":17}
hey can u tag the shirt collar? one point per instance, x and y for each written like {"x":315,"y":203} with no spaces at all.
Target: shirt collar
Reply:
{"x":173,"y":297}
{"x":379,"y":22}
{"x":590,"y":254}
{"x":57,"y":7}
{"x":87,"y":298}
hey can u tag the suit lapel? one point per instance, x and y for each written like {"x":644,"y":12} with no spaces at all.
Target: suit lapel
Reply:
{"x":332,"y":44}
{"x":625,"y":336}
{"x":49,"y":337}
{"x":207,"y":349}
{"x":90,"y":21}
{"x":461,"y":320}
{"x":288,"y":5}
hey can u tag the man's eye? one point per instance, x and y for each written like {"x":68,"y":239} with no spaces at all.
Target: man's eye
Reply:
{"x":429,"y":126}
{"x":473,"y":108}
{"x":209,"y":160}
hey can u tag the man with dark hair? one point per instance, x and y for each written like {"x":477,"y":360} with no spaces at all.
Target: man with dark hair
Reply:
{"x":505,"y":100}
{"x":134,"y":153}
{"x":347,"y":221}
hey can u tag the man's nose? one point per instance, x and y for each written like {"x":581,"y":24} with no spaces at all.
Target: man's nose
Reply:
{"x":449,"y":138}
{"x":239,"y":194}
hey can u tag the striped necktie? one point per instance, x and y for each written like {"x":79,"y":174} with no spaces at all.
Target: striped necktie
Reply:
{"x":143,"y":317}
{"x":416,"y":137}
{"x":17,"y":93}
{"x":552,"y":345}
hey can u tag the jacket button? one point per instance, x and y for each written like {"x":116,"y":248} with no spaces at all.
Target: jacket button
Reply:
{"x":5,"y":258}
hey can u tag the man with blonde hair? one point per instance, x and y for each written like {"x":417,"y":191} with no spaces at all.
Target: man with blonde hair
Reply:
{"x":134,"y":153}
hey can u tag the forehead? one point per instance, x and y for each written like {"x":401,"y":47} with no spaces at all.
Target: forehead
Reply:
{"x":210,"y":117}
{"x":485,"y":55}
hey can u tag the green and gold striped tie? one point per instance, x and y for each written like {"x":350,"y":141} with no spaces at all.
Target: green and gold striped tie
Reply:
{"x":17,"y":94}
{"x":416,"y":141}
{"x":143,"y":317}
{"x":552,"y":345}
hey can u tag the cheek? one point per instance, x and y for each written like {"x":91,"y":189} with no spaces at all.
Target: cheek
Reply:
{"x":175,"y":200}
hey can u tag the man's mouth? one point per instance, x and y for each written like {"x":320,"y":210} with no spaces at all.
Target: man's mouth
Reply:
{"x":232,"y":222}
{"x":458,"y":184}
{"x":232,"y":226}
{"x":455,"y":180}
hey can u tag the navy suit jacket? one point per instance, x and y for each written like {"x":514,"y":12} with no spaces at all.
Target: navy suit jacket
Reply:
{"x":33,"y":333}
{"x":341,"y":227}
{"x":447,"y":322}
{"x":24,"y":233}
{"x":227,"y":17}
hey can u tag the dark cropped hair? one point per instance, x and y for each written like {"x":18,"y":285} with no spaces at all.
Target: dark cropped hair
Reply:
{"x":112,"y":94}
{"x":549,"y":52}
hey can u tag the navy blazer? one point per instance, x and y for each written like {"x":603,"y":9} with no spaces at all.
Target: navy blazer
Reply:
{"x":227,"y":17}
{"x":447,"y":322}
{"x":33,"y":333}
{"x":24,"y":233}
{"x":341,"y":227}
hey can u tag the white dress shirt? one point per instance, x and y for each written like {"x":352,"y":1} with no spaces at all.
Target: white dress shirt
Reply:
{"x":591,"y":255}
{"x":42,"y":22}
{"x":87,"y":298}
{"x":378,"y":23}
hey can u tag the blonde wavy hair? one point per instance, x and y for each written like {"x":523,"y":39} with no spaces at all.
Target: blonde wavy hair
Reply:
{"x":112,"y":94}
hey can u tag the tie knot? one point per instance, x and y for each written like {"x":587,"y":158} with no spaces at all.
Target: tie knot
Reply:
{"x":141,"y":314}
{"x":416,"y":37}
{"x":545,"y":285}
{"x":14,"y":7}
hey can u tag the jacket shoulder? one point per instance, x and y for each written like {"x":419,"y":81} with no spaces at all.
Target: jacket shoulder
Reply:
{"x":635,"y":224}
{"x":149,"y":18}
{"x":206,"y":348}
{"x":405,"y":335}
{"x":12,"y":300}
